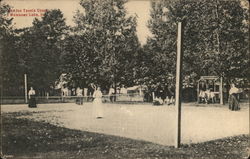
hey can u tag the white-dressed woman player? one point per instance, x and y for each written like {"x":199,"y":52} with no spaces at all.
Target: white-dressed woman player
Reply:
{"x":97,"y":103}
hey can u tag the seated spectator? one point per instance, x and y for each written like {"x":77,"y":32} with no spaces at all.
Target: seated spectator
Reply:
{"x":202,"y":96}
{"x":158,"y":101}
{"x":210,"y":96}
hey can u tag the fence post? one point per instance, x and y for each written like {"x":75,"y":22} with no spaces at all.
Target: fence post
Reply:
{"x":198,"y":93}
{"x":25,"y":88}
{"x":221,"y":91}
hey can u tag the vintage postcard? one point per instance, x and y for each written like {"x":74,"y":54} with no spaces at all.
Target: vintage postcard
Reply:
{"x":124,"y":79}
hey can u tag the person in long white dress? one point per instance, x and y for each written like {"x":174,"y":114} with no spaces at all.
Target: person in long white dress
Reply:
{"x":97,"y":103}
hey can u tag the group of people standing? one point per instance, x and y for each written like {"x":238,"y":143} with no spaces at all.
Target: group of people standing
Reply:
{"x":159,"y":94}
{"x":116,"y":90}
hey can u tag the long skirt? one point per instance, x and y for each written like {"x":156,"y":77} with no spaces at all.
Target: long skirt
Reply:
{"x":32,"y":102}
{"x":233,"y":102}
{"x":98,"y":107}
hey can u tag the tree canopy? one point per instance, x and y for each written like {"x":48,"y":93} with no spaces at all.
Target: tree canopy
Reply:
{"x":105,"y":44}
{"x":103,"y":47}
{"x":214,"y":37}
{"x":35,"y":51}
{"x":9,"y":59}
{"x":41,"y":49}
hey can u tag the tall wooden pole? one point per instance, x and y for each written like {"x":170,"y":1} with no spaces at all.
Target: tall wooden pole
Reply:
{"x":25,"y":88}
{"x":178,"y":86}
{"x":198,"y":92}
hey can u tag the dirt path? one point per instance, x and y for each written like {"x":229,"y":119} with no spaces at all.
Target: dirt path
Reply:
{"x":144,"y":122}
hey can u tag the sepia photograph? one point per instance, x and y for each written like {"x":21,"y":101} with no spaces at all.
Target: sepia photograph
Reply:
{"x":124,"y":79}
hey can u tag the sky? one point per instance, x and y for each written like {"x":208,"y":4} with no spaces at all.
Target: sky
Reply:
{"x":141,"y":8}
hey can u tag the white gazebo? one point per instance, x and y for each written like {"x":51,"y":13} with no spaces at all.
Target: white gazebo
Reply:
{"x":217,"y":83}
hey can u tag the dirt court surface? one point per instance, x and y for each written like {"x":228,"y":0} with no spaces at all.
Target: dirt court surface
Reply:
{"x":144,"y":121}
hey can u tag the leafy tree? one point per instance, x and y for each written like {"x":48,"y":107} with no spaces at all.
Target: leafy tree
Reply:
{"x":108,"y":39}
{"x":41,"y":47}
{"x":11,"y":79}
{"x":214,"y":36}
{"x":79,"y":61}
{"x":161,"y":48}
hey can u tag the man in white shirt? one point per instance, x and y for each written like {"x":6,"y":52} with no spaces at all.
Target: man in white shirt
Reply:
{"x":112,"y":94}
{"x":79,"y":95}
{"x":123,"y":90}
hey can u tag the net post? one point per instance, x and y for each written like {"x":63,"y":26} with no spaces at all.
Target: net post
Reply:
{"x":25,"y":88}
{"x":178,"y":85}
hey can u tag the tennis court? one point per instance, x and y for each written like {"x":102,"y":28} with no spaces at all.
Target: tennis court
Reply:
{"x":144,"y":121}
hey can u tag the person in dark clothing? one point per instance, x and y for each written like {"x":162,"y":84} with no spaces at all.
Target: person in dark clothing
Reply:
{"x":112,"y":95}
{"x":157,"y":91}
{"x":150,"y":95}
{"x":91,"y":89}
{"x":171,"y":94}
{"x":32,"y":99}
{"x":163,"y":93}
{"x":159,"y":94}
{"x":147,"y":94}
{"x":233,"y":100}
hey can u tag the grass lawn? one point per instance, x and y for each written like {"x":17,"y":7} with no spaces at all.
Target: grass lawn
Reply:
{"x":23,"y":138}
